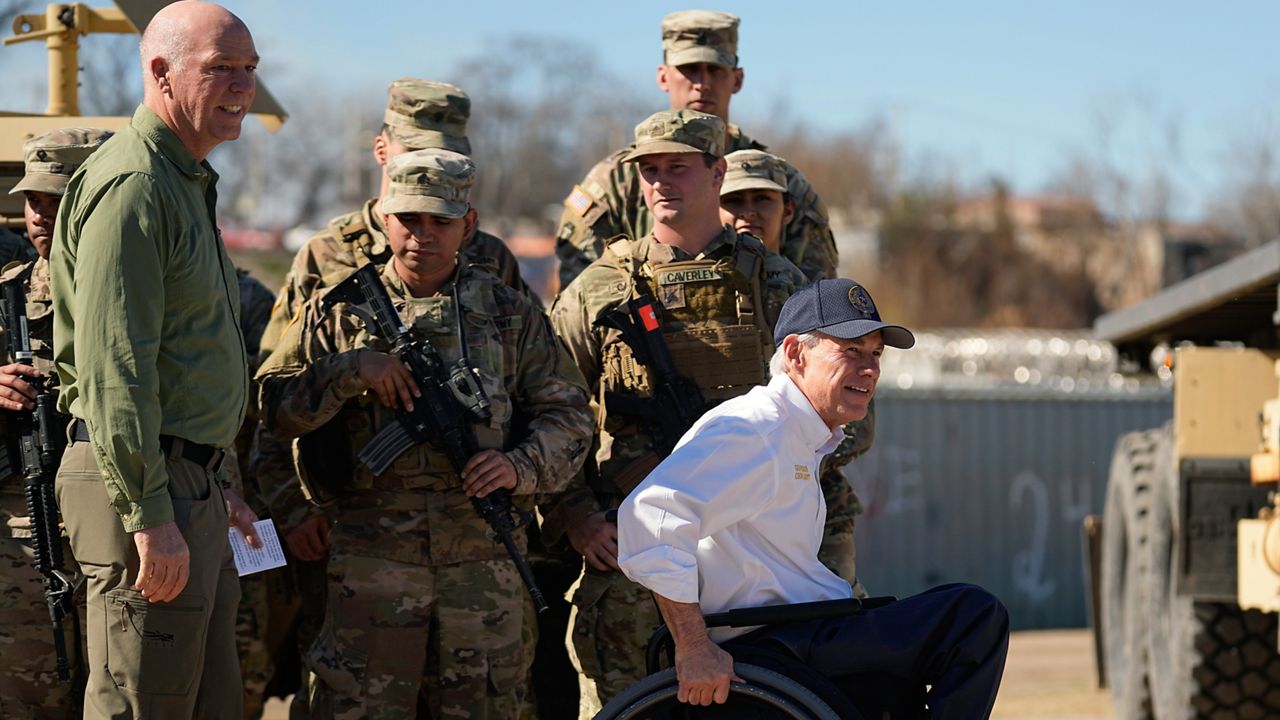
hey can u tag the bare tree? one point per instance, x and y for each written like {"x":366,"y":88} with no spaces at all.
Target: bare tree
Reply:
{"x":542,"y":112}
{"x":1249,"y":204}
{"x":317,"y":166}
{"x":1134,"y":165}
{"x":111,"y":77}
{"x":853,"y":170}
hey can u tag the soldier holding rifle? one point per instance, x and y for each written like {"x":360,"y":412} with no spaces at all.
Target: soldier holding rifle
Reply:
{"x":31,"y":534}
{"x":423,"y":603}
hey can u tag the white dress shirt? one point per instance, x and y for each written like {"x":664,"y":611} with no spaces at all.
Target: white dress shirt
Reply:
{"x":733,"y":518}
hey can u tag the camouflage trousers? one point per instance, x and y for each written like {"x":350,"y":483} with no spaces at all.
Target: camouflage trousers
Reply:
{"x":837,"y":551}
{"x":256,"y":665}
{"x":29,"y":685}
{"x":611,"y":621}
{"x":396,"y":632}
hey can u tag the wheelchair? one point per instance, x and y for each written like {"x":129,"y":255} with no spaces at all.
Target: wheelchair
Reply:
{"x":776,"y":685}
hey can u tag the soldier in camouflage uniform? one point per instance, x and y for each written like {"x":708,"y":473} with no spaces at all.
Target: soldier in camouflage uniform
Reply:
{"x":720,"y":292}
{"x":754,"y":199}
{"x":699,"y":72}
{"x":420,"y":114}
{"x":256,"y":663}
{"x":29,"y":685}
{"x":422,"y":601}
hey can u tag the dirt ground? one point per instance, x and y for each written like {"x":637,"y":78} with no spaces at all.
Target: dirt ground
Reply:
{"x":1049,"y":674}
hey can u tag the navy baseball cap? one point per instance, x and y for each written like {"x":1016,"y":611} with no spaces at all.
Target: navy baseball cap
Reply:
{"x":840,"y":308}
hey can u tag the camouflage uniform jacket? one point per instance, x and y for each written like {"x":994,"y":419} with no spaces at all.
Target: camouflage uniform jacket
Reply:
{"x":13,"y":502}
{"x":356,"y":238}
{"x":541,"y":417}
{"x":603,"y":286}
{"x":332,"y":254}
{"x":609,"y":202}
{"x":256,"y":301}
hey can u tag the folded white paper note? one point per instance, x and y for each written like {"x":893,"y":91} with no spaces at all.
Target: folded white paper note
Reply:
{"x":251,"y":560}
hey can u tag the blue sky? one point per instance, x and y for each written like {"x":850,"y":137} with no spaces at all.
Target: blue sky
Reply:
{"x":1009,"y":89}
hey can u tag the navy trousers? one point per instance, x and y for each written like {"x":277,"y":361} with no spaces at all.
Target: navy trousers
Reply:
{"x":952,"y":639}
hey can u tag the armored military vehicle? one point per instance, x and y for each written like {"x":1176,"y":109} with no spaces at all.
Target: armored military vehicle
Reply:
{"x":1189,"y":571}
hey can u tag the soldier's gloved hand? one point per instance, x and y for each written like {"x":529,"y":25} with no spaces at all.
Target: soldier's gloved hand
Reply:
{"x":310,"y":540}
{"x":16,"y":393}
{"x":164,"y":562}
{"x":596,"y":539}
{"x":487,"y":471}
{"x":388,"y":378}
{"x":242,"y":517}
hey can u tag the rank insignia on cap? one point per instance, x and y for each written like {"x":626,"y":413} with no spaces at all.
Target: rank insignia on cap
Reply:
{"x":861,"y":300}
{"x":579,"y":201}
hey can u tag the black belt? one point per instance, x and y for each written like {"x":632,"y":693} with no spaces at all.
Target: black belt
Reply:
{"x":205,"y":456}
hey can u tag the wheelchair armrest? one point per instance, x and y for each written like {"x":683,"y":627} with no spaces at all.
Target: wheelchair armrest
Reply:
{"x":768,"y":615}
{"x":777,"y":614}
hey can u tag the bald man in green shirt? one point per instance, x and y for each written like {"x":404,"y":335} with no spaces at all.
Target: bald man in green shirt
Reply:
{"x":153,"y":367}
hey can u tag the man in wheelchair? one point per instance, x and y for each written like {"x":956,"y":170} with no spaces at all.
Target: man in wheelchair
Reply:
{"x":733,"y":519}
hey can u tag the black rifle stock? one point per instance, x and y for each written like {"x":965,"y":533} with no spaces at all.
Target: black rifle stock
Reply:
{"x":451,"y":399}
{"x":38,"y":442}
{"x":677,"y":401}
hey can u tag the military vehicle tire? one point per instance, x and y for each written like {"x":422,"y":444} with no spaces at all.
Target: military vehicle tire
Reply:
{"x":1124,"y":582}
{"x":1207,"y":659}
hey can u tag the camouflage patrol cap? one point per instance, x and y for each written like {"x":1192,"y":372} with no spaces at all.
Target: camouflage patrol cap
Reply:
{"x":754,"y":170}
{"x":678,"y":131}
{"x":52,"y":158}
{"x":432,"y":181}
{"x":692,"y":36}
{"x":425,"y":114}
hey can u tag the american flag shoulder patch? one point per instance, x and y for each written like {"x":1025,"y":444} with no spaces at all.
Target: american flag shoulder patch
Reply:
{"x":579,"y":201}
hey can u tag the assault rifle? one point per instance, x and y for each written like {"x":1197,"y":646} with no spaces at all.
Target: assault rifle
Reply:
{"x":677,"y":402}
{"x":38,"y":433}
{"x":452,"y":398}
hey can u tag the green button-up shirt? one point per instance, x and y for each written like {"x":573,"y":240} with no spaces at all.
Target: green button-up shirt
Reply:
{"x":146,"y":313}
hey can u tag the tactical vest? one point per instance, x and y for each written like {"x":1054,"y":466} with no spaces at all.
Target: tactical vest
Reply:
{"x":713,"y":320}
{"x":424,"y":466}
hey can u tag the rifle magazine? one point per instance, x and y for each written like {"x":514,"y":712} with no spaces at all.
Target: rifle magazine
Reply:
{"x":390,"y":443}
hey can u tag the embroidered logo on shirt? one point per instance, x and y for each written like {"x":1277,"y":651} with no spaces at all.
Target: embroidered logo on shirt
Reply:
{"x":802,"y":472}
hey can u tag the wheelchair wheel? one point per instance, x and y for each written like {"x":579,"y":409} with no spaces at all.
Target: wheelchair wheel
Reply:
{"x":763,"y":694}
